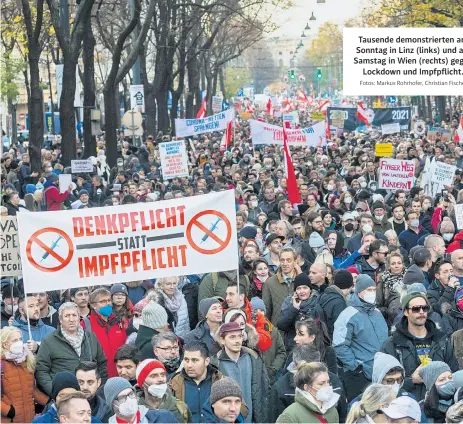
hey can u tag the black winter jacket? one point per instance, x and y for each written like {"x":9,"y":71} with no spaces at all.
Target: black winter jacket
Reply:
{"x":402,"y":345}
{"x":331,"y":304}
{"x":452,"y":321}
{"x":438,"y":295}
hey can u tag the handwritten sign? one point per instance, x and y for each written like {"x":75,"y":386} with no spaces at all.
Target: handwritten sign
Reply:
{"x":396,"y":174}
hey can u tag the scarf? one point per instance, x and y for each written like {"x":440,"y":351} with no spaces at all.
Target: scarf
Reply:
{"x":174,"y":303}
{"x":16,"y":358}
{"x":76,"y":340}
{"x":390,"y":280}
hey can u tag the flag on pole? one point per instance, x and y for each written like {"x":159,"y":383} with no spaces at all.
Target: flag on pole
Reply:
{"x":293,"y":191}
{"x":459,"y":132}
{"x":362,"y":113}
{"x":226,"y":139}
{"x":327,"y":129}
{"x":302,"y":97}
{"x":202,"y":110}
{"x":269,"y":107}
{"x":323,"y":106}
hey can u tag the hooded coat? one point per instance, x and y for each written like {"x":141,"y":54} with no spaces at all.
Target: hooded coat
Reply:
{"x":202,"y":333}
{"x":331,"y":303}
{"x":359,"y":333}
{"x":452,"y":319}
{"x":439,"y":295}
{"x":402,"y":345}
{"x":387,"y":295}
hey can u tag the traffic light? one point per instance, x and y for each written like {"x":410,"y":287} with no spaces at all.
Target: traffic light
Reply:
{"x":319,"y":73}
{"x":292,"y":75}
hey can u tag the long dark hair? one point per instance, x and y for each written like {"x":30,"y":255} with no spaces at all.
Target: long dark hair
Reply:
{"x":316,"y":327}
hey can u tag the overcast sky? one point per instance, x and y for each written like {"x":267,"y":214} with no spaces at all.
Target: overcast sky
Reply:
{"x":293,"y":20}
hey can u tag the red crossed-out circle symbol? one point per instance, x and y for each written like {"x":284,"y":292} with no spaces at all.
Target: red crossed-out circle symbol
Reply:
{"x":194,"y":222}
{"x":48,"y":250}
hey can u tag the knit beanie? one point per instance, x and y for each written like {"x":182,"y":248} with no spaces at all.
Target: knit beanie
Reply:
{"x":416,"y":288}
{"x":363,"y":282}
{"x":258,"y":304}
{"x":316,"y":240}
{"x":343,"y":279}
{"x":30,"y":188}
{"x":63,"y":380}
{"x":405,"y":300}
{"x":231,"y":313}
{"x":83,"y":191}
{"x":138,"y":307}
{"x":154,"y":316}
{"x":223,"y":388}
{"x":377,"y":205}
{"x":302,"y":280}
{"x":414,"y":275}
{"x":113,"y":387}
{"x":119,"y":288}
{"x":353,"y":270}
{"x":145,"y":367}
{"x":206,"y":304}
{"x":431,"y":372}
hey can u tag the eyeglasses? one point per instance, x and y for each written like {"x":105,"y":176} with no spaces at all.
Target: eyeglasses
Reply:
{"x":417,"y":309}
{"x":123,"y":398}
{"x":391,"y":381}
{"x":169,"y":349}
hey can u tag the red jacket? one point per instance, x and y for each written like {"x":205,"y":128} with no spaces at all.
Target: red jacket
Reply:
{"x":457,"y":243}
{"x":111,"y":334}
{"x":54,"y":198}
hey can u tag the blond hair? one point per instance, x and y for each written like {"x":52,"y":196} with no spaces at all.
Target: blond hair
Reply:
{"x":373,"y":396}
{"x":5,"y":334}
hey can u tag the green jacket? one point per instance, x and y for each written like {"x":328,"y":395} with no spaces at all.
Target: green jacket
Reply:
{"x":172,"y":404}
{"x":303,"y":411}
{"x":275,"y":356}
{"x":274,"y":292}
{"x":56,"y":354}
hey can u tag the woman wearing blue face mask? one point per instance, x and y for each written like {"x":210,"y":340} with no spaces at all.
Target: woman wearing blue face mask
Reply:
{"x":440,"y":390}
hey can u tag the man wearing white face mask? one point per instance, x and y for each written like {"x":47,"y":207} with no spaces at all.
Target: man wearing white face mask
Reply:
{"x":121,"y":399}
{"x":359,"y":332}
{"x":10,"y":298}
{"x":154,"y":393}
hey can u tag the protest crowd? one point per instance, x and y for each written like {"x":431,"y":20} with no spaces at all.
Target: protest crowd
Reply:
{"x":347,"y":306}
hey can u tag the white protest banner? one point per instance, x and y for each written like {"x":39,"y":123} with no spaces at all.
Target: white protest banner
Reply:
{"x":459,"y":215}
{"x":443,"y":173}
{"x":396,"y":174}
{"x":174,"y":159}
{"x":9,"y":244}
{"x":137,"y":97}
{"x":64,"y":181}
{"x":267,"y":134}
{"x":217,"y":122}
{"x":84,"y":165}
{"x":77,"y":248}
{"x":216,"y":104}
{"x":390,"y":128}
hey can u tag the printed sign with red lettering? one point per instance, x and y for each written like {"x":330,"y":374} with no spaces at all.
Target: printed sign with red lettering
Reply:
{"x":174,"y":160}
{"x":93,"y":246}
{"x":395,"y":174}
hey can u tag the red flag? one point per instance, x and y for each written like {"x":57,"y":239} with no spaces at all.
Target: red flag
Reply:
{"x":293,"y":191}
{"x":327,"y":129}
{"x":226,"y":139}
{"x":459,"y":132}
{"x":323,"y":106}
{"x":362,"y":113}
{"x":302,"y":97}
{"x":202,"y":110}
{"x":269,"y":107}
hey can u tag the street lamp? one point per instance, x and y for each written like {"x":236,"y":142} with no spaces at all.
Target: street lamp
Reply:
{"x":302,"y":35}
{"x":312,"y":18}
{"x":14,"y":134}
{"x":321,"y":1}
{"x":300,"y":44}
{"x":307,"y":28}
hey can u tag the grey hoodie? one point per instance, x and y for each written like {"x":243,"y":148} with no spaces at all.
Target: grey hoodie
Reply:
{"x":382,"y":364}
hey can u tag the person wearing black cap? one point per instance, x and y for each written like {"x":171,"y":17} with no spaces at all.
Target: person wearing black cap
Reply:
{"x":300,"y":305}
{"x":334,"y":299}
{"x":274,"y":243}
{"x":10,"y":298}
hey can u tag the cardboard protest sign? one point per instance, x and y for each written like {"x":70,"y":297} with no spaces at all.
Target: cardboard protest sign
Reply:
{"x":77,"y":248}
{"x":393,"y":128}
{"x":216,"y":104}
{"x":10,"y":264}
{"x":81,"y":166}
{"x":174,"y":159}
{"x":217,"y":122}
{"x":317,"y":116}
{"x":443,"y":173}
{"x":396,"y":174}
{"x":459,"y":215}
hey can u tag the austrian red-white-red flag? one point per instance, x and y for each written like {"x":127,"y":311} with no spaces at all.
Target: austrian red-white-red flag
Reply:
{"x":310,"y":100}
{"x":293,"y":191}
{"x":459,"y":132}
{"x":286,"y":106}
{"x":327,"y":129}
{"x":202,"y":110}
{"x":249,"y":108}
{"x":226,"y":139}
{"x":323,"y":106}
{"x":362,"y":113}
{"x":302,"y":97}
{"x":269,"y":107}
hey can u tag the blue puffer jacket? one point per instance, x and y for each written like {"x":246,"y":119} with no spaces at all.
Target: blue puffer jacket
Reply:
{"x":359,"y":332}
{"x":39,"y":331}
